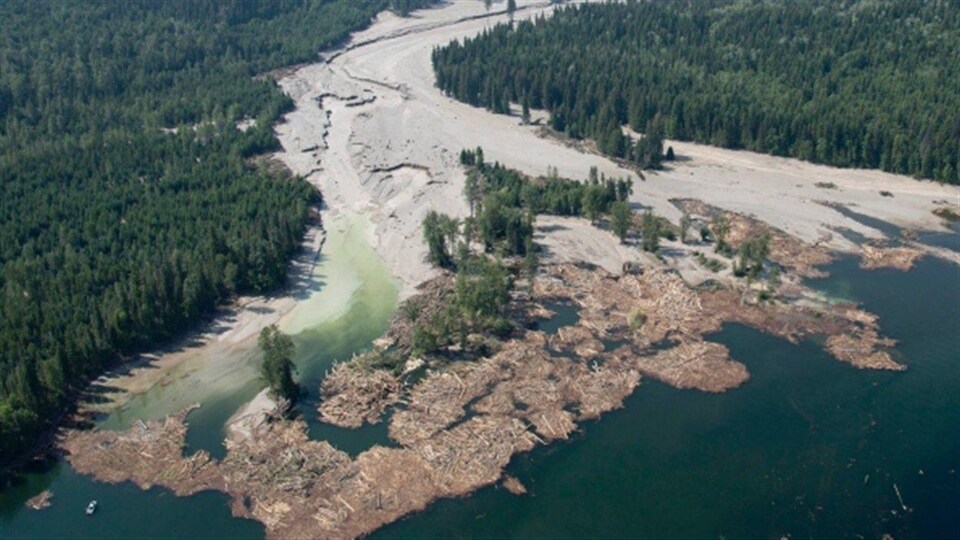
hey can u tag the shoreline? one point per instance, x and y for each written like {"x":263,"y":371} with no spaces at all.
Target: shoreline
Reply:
{"x":351,"y":180}
{"x":462,"y":423}
{"x":229,"y":327}
{"x":405,"y":88}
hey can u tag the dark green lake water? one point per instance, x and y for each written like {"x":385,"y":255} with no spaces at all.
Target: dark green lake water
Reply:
{"x":787,"y":453}
{"x":808,"y":447}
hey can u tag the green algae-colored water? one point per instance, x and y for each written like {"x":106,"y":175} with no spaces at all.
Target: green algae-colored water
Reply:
{"x":349,"y":262}
{"x":127,"y":512}
{"x":808,"y":447}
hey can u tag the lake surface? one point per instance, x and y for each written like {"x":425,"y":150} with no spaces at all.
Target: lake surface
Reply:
{"x":808,"y":447}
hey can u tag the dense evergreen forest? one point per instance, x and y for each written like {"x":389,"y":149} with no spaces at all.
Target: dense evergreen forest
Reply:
{"x":130,"y":200}
{"x":851,"y":83}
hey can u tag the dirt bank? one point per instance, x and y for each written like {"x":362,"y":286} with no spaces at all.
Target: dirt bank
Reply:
{"x":372,"y":131}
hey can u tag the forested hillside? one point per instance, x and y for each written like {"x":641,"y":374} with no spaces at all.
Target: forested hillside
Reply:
{"x":129,"y":200}
{"x":853,"y":83}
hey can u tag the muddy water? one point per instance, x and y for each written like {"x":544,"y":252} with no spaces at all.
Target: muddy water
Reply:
{"x":348,"y":306}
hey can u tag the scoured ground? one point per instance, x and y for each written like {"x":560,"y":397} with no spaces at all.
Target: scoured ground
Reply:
{"x":459,"y":425}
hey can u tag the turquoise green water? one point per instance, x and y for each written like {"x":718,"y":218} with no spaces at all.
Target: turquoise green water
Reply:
{"x":365,"y":316}
{"x":125,"y":511}
{"x":808,"y":447}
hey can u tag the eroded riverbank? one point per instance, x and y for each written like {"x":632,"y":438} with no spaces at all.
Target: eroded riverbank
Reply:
{"x":392,"y":123}
{"x":125,"y":510}
{"x":460,"y":425}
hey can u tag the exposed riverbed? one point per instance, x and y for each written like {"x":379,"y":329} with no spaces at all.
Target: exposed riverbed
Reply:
{"x":807,"y":446}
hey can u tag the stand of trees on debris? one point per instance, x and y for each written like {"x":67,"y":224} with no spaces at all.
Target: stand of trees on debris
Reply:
{"x":277,"y":367}
{"x":503,"y":208}
{"x":130,"y":200}
{"x":503,"y":205}
{"x":871,"y":83}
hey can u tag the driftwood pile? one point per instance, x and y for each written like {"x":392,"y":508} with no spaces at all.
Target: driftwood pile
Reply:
{"x":899,"y":258}
{"x":439,"y":399}
{"x":353,"y":395}
{"x":701,"y":365}
{"x":459,"y":426}
{"x":148,"y":454}
{"x":800,"y":258}
{"x":40,"y":500}
{"x":852,"y":335}
{"x":864,"y":350}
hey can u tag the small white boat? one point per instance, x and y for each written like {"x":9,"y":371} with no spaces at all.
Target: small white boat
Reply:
{"x":91,"y":508}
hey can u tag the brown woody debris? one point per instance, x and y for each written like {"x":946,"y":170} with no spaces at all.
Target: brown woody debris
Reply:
{"x":513,"y":485}
{"x":439,"y":400}
{"x":863,"y":350}
{"x":785,"y":250}
{"x":353,"y":395}
{"x":459,"y":426}
{"x":40,"y":500}
{"x":697,"y":364}
{"x":148,"y":454}
{"x":899,"y":258}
